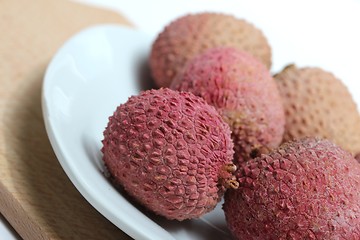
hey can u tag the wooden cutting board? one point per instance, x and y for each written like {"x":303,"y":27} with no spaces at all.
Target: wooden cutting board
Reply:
{"x":36,"y":196}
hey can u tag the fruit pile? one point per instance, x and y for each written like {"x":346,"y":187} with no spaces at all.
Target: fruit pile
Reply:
{"x":282,"y":150}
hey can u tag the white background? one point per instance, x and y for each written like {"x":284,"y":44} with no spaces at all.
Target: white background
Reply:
{"x":322,"y":33}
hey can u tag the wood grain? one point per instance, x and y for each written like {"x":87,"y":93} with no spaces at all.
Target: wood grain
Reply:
{"x":36,"y":196}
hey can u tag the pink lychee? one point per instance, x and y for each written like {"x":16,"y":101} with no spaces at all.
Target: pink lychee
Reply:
{"x":167,"y":149}
{"x":242,"y":89}
{"x":306,"y":189}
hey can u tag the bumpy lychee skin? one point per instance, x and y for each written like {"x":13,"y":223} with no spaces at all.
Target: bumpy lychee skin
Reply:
{"x":317,"y":104}
{"x":307,"y":189}
{"x":243,"y":91}
{"x":193,"y":34}
{"x":167,"y":148}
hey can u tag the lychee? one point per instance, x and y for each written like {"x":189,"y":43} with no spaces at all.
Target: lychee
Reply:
{"x":317,"y":104}
{"x":243,"y":91}
{"x":306,"y":189}
{"x":169,"y":151}
{"x":193,"y":34}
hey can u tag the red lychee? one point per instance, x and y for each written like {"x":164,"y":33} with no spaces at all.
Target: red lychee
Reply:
{"x":243,"y":91}
{"x":168,"y":149}
{"x":306,"y":189}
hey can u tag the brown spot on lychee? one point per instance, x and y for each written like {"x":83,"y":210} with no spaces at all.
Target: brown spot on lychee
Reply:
{"x":357,"y":157}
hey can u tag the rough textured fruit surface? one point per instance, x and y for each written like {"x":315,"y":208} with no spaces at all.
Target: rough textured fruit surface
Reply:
{"x":166,"y":148}
{"x":243,"y":91}
{"x":317,"y":104}
{"x":307,"y":189}
{"x":193,"y":34}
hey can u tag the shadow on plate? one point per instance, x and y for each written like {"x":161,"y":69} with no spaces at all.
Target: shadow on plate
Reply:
{"x":143,"y":74}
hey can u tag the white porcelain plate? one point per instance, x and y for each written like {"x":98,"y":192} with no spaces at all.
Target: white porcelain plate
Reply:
{"x":94,"y":72}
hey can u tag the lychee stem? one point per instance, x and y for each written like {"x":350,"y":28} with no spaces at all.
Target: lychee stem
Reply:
{"x":226,"y":176}
{"x":287,"y":68}
{"x":230,"y":167}
{"x":233,"y":184}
